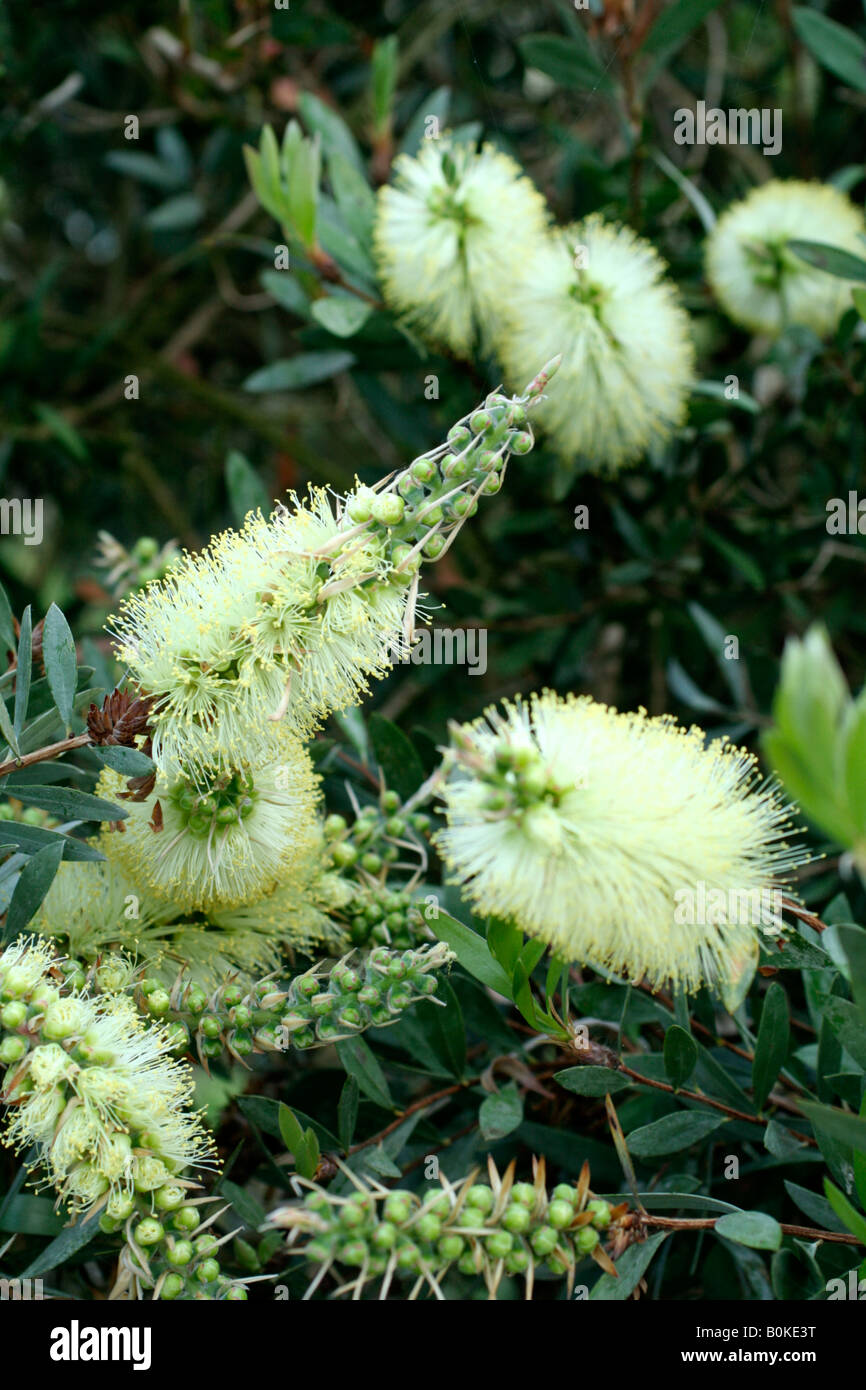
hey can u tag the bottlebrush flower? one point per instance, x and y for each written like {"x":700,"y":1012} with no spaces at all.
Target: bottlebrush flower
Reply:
{"x":92,"y":1088}
{"x":450,"y":236}
{"x":92,"y":906}
{"x":612,"y":836}
{"x":758,"y":280}
{"x":599,"y":293}
{"x":214,"y":845}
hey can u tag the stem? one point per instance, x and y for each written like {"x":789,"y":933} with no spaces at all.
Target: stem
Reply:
{"x":52,"y":750}
{"x":707,"y":1100}
{"x":701,"y":1223}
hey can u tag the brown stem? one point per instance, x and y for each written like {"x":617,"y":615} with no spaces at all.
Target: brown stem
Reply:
{"x":52,"y":750}
{"x":707,"y":1100}
{"x":701,"y":1223}
{"x":411,"y":1109}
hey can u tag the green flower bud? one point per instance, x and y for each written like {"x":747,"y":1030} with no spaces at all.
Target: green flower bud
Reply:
{"x":481,"y":1196}
{"x":335,"y":826}
{"x":169,"y":1198}
{"x":458,"y":437}
{"x":360,"y":505}
{"x":450,"y":1247}
{"x":601,"y":1213}
{"x":158,"y":1002}
{"x":480,"y":421}
{"x":172,"y":1285}
{"x":491,"y":485}
{"x":564,"y":1192}
{"x":388,"y":509}
{"x":434,"y":546}
{"x":179,"y":1253}
{"x":120,"y":1206}
{"x":210,"y":1025}
{"x":499,"y":1244}
{"x":14,"y":1014}
{"x":344,"y":855}
{"x":237,"y":1294}
{"x":544,"y":1241}
{"x":108,"y":1224}
{"x":385,"y":1236}
{"x":195,"y":999}
{"x":466,"y":1263}
{"x":521,"y":443}
{"x":149,"y":1232}
{"x":354,"y":1252}
{"x":560,"y":1214}
{"x":523,"y":1193}
{"x":586,"y":1239}
{"x":398,"y":1207}
{"x":517,"y":1261}
{"x":517,"y":1219}
{"x":186,"y":1219}
{"x":408,"y":1256}
{"x":207,"y":1271}
{"x":12,"y":1049}
{"x":428,"y":1227}
{"x":423,"y":471}
{"x":371,"y":862}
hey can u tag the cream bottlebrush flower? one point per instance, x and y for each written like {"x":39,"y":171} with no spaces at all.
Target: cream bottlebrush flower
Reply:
{"x":450,"y":236}
{"x":94,"y":905}
{"x":204,"y":847}
{"x":612,"y":836}
{"x":215,"y":642}
{"x":597,"y":293}
{"x":92,"y":1088}
{"x":758,"y":280}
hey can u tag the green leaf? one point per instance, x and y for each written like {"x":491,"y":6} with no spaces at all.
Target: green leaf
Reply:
{"x":8,"y":730}
{"x":444,"y":1029}
{"x":851,"y":1218}
{"x":755,"y":1229}
{"x":505,"y":942}
{"x":32,"y":1216}
{"x":251,"y":1212}
{"x":675,"y":24}
{"x":772,"y":1045}
{"x":384,"y":81}
{"x":472,"y":952}
{"x":673,"y":1133}
{"x":360,"y":1062}
{"x":794,"y":1280}
{"x":22,"y":677}
{"x":833,"y":45}
{"x":779,"y":1141}
{"x":593,"y":1081}
{"x":282,"y":286}
{"x":853,"y":941}
{"x":342,"y":315}
{"x":813,"y":1206}
{"x":60,"y":428}
{"x":67,"y":803}
{"x":177,"y":214}
{"x":500,"y":1113}
{"x":347,"y":1112}
{"x":7,"y":626}
{"x":129,"y":761}
{"x":354,"y":197}
{"x":569,"y":62}
{"x":631,"y":1267}
{"x":680,"y":1055}
{"x":401,"y":768}
{"x":833,"y":259}
{"x":294,"y":373}
{"x":859,"y":298}
{"x":738,"y":558}
{"x":36,"y":878}
{"x":63,"y":1247}
{"x":840,"y":1125}
{"x":297,"y":1141}
{"x":335,"y":135}
{"x":265,"y":1114}
{"x":245,"y":490}
{"x":61,"y":667}
{"x":32,"y":838}
{"x":718,"y":391}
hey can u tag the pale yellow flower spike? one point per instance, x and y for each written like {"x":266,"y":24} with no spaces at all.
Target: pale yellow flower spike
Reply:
{"x":618,"y":839}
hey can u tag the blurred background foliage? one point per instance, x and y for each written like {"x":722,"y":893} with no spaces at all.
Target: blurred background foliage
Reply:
{"x":152,"y":258}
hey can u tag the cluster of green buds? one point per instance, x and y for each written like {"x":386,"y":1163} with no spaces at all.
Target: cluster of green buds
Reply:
{"x":419,"y":512}
{"x":132,"y":569}
{"x":511,"y":774}
{"x":15,"y":810}
{"x":366,"y":853}
{"x":170,"y":1250}
{"x":486,"y":1230}
{"x":325,"y":1004}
